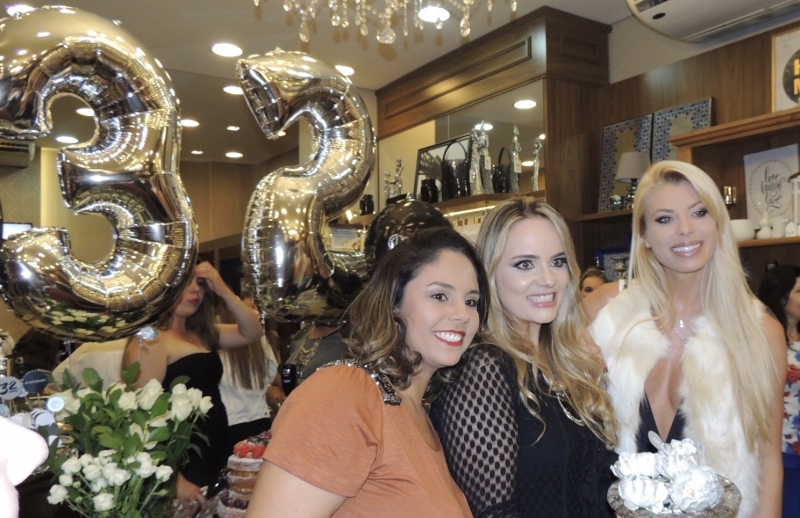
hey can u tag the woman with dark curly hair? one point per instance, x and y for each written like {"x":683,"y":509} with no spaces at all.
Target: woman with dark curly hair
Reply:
{"x":354,"y":438}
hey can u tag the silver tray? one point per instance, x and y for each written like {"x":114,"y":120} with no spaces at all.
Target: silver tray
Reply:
{"x":727,"y":506}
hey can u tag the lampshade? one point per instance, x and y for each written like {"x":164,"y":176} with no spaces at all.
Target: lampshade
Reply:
{"x":632,"y":165}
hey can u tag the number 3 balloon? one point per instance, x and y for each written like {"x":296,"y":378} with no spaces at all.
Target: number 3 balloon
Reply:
{"x":127,"y":172}
{"x":292,"y":273}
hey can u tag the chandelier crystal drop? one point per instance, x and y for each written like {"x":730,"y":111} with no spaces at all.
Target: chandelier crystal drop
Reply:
{"x":380,"y":13}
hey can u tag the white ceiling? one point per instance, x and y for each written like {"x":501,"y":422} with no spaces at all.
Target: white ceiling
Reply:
{"x":181,"y":32}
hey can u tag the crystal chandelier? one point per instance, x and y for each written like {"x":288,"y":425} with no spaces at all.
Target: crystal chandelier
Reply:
{"x":380,"y":13}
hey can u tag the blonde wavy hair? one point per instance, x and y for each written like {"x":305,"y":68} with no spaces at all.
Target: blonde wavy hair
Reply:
{"x":726,"y":298}
{"x":574,"y":367}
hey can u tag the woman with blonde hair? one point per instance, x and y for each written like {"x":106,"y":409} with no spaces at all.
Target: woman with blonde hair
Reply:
{"x":691,"y":353}
{"x":527,"y":427}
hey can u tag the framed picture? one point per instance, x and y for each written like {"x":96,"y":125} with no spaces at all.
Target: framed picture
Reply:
{"x":429,"y":161}
{"x":674,"y":121}
{"x":785,"y":71}
{"x":611,"y":257}
{"x":631,"y":135}
{"x":766,"y":177}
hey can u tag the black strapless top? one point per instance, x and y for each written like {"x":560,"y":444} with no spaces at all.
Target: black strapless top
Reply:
{"x":648,"y":423}
{"x":205,"y":372}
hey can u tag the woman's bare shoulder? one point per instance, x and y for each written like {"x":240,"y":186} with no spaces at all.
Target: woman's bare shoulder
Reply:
{"x":598,"y":299}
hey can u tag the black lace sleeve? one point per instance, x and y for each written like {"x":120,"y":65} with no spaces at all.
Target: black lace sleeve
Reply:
{"x":477,"y":423}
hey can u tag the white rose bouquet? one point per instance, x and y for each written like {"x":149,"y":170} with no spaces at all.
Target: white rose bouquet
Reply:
{"x":124,"y":445}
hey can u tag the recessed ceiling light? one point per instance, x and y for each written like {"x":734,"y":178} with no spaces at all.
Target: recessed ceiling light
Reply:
{"x":197,"y":152}
{"x":42,"y":34}
{"x":233,"y":90}
{"x":16,"y":9}
{"x":345,"y":70}
{"x":233,"y":128}
{"x":228,"y":50}
{"x":22,"y":52}
{"x":233,"y":154}
{"x":525,"y":104}
{"x":66,"y":139}
{"x":541,"y":137}
{"x":527,"y":163}
{"x":486,"y":126}
{"x":189,"y":123}
{"x":433,"y":14}
{"x":86,"y":112}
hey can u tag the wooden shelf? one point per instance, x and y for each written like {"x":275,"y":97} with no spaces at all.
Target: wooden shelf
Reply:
{"x":754,"y":243}
{"x":604,"y":215}
{"x":770,"y":123}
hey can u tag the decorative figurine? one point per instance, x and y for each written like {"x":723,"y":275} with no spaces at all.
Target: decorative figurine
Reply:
{"x":537,"y":148}
{"x":394,"y":187}
{"x":516,"y":169}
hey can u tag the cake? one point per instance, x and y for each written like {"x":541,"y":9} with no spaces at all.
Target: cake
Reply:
{"x":243,"y":468}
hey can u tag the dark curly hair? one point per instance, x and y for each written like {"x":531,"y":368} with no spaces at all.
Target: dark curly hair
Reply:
{"x":377,"y":336}
{"x":775,"y":288}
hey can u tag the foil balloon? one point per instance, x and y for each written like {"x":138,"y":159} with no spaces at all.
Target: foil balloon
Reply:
{"x":127,"y":172}
{"x":398,"y":222}
{"x":291,"y":272}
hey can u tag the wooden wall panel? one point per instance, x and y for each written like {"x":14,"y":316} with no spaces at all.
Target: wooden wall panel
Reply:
{"x":196,"y":182}
{"x":545,"y":41}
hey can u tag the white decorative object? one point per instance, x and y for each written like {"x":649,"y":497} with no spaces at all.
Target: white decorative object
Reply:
{"x":778,"y":226}
{"x":765,"y":231}
{"x":791,"y":229}
{"x":743,"y":229}
{"x":767,"y":180}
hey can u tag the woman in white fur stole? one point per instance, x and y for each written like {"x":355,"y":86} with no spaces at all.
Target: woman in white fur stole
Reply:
{"x":691,"y":353}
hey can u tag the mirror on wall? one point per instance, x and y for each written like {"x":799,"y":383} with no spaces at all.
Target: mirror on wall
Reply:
{"x":498,"y":111}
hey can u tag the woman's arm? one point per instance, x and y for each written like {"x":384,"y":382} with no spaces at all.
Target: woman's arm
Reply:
{"x":483,"y":462}
{"x":248,"y":326}
{"x":770,"y":447}
{"x":152,"y":358}
{"x":306,"y":500}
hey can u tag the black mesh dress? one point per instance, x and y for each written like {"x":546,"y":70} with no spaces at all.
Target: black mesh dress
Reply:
{"x":489,"y":439}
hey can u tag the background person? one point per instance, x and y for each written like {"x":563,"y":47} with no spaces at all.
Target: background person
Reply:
{"x":780,"y":292}
{"x":354,"y":439}
{"x":527,"y":428}
{"x":691,"y":352}
{"x":187,"y":345}
{"x":591,"y":279}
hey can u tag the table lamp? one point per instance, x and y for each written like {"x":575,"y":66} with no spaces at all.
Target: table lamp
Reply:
{"x":632,"y":165}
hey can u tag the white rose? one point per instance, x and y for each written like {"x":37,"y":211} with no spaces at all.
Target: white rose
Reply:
{"x":98,"y":485}
{"x":65,"y":480}
{"x":145,"y":470}
{"x":73,"y":406}
{"x":57,"y":494}
{"x":147,"y":395}
{"x":205,"y":405}
{"x":631,"y":464}
{"x":86,"y":460}
{"x":181,"y":407}
{"x":116,"y":476}
{"x":195,"y":395}
{"x":85,"y":391}
{"x":695,"y":489}
{"x":642,"y":492}
{"x":127,"y":401}
{"x":71,"y":466}
{"x":144,"y":457}
{"x":163,"y":473}
{"x":158,"y":422}
{"x":179,"y":389}
{"x":104,"y":457}
{"x":92,"y":472}
{"x":103,"y":502}
{"x":135,"y":429}
{"x":108,"y":329}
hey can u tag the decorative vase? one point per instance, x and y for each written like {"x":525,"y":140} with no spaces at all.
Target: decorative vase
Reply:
{"x":367,"y":204}
{"x":429,"y":192}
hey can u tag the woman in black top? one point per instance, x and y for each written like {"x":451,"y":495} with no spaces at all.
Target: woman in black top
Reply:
{"x":527,"y":427}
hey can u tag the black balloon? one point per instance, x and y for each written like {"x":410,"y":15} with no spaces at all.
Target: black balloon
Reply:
{"x":398,"y":222}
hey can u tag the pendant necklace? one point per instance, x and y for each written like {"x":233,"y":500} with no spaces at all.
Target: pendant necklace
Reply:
{"x":560,"y":397}
{"x":681,"y":326}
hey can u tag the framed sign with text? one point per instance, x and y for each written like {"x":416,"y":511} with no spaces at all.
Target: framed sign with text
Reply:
{"x":767,"y":180}
{"x":786,"y":70}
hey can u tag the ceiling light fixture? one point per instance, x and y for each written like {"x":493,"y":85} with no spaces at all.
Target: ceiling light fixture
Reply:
{"x":233,"y":90}
{"x":486,"y":126}
{"x":375,"y":13}
{"x":345,"y":70}
{"x":189,"y":123}
{"x":197,"y":152}
{"x":527,"y":163}
{"x":541,"y":137}
{"x":525,"y":104}
{"x":86,"y":112}
{"x":66,"y":139}
{"x":233,"y":154}
{"x":17,"y":9}
{"x":233,"y":128}
{"x":228,"y":50}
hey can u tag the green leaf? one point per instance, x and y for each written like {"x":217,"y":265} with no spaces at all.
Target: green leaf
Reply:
{"x":159,"y":434}
{"x":132,"y":445}
{"x":102,"y":430}
{"x":68,"y":382}
{"x":131,"y":374}
{"x":179,"y":379}
{"x":139,"y":418}
{"x":161,"y":405}
{"x":110,"y":441}
{"x":93,"y":379}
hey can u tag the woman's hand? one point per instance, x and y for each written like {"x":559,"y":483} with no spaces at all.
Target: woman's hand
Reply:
{"x":211,"y":278}
{"x":191,"y":497}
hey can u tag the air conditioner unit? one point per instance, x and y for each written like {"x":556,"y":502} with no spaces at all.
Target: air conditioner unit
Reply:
{"x":14,"y":153}
{"x":697,"y":21}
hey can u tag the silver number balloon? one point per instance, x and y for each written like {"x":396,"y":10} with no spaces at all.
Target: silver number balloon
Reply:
{"x":127,"y":172}
{"x":285,"y":260}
